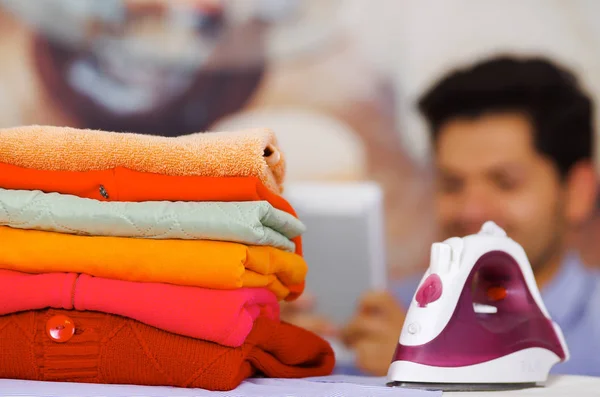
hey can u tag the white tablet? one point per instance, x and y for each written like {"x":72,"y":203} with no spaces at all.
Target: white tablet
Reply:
{"x":344,"y":243}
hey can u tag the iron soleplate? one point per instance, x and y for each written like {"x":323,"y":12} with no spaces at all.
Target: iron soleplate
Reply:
{"x":464,"y":387}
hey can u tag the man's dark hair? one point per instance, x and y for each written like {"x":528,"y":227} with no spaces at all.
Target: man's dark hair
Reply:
{"x":561,"y":113}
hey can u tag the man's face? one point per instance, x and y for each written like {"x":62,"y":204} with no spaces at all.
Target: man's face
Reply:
{"x":488,"y":169}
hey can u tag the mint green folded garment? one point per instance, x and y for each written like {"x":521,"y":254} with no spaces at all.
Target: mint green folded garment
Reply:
{"x":250,"y":222}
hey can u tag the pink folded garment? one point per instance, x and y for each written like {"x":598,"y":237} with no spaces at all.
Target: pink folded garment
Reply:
{"x":222,"y":316}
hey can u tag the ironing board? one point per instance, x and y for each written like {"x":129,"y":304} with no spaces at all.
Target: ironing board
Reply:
{"x":558,"y":385}
{"x":580,"y":386}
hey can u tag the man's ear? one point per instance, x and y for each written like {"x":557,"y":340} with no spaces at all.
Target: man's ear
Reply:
{"x":582,"y":192}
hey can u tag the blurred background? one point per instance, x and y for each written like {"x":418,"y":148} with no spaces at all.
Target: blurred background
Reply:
{"x":336,"y":79}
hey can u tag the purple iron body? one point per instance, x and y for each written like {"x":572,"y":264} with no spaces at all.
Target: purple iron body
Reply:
{"x":477,"y":319}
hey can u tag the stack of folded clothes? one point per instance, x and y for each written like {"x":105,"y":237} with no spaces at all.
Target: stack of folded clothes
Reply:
{"x":148,"y":260}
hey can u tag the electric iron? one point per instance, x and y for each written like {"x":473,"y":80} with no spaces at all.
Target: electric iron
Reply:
{"x":477,"y":320}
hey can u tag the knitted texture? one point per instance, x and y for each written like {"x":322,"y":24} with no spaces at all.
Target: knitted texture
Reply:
{"x":112,"y":349}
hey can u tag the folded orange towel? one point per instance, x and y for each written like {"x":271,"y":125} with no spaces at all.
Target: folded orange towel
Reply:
{"x":200,"y":263}
{"x":242,"y":153}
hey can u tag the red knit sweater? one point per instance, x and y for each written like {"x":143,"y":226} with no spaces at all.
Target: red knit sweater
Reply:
{"x":112,"y":349}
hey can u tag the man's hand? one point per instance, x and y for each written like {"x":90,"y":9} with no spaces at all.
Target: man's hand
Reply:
{"x":301,"y":313}
{"x":374,"y":331}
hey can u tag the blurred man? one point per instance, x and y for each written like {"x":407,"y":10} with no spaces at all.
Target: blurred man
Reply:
{"x":513,"y":142}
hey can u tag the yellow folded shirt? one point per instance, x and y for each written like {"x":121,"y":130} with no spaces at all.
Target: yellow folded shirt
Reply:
{"x":200,"y":263}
